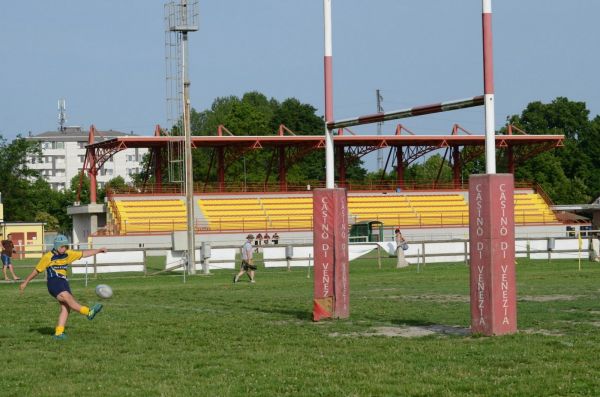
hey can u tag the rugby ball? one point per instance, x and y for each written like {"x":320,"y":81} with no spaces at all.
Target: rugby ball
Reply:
{"x":104,"y":291}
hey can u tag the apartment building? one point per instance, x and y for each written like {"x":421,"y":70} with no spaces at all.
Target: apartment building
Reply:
{"x":63,"y":155}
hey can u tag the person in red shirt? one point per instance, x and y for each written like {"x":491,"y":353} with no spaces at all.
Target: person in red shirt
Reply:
{"x":8,"y":248}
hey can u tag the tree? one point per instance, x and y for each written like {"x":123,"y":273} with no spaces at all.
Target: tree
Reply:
{"x":115,"y":184}
{"x":568,"y":174}
{"x":254,"y":114}
{"x":74,"y":193}
{"x":427,"y":171}
{"x":15,"y":183}
{"x":50,"y":222}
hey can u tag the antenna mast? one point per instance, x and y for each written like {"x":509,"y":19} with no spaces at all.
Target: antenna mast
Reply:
{"x":62,"y":114}
{"x":180,"y":19}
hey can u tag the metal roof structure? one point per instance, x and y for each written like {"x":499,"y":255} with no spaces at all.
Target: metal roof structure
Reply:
{"x":408,"y":147}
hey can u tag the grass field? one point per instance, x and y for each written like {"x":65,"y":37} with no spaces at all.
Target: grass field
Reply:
{"x":160,"y":337}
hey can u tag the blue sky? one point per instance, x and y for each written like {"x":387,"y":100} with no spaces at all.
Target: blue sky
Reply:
{"x":106,"y":58}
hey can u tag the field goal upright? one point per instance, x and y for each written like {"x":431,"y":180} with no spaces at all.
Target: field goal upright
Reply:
{"x":493,"y":276}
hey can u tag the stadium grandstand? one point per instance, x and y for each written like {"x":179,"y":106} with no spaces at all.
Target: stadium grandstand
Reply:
{"x":292,"y":211}
{"x":223,"y":208}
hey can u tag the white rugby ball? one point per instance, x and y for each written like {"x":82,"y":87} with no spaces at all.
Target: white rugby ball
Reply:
{"x":104,"y":291}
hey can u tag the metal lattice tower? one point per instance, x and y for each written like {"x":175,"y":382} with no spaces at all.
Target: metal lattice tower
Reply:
{"x":62,"y":114}
{"x":181,"y":18}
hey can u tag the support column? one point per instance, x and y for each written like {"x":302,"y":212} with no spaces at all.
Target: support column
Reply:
{"x":492,"y":254}
{"x":93,"y":171}
{"x":158,"y":169}
{"x":399,"y":167}
{"x":221,"y":168}
{"x":342,"y":166}
{"x":456,"y":167}
{"x":510,"y":159}
{"x":282,"y":173}
{"x":157,"y":163}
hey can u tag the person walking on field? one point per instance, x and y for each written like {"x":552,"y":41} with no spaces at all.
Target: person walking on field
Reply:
{"x":248,"y":265}
{"x":401,"y":246}
{"x":8,"y":248}
{"x":55,"y":263}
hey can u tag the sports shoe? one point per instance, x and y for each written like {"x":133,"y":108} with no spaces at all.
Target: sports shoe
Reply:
{"x":62,"y":336}
{"x":94,"y":310}
{"x":235,"y":279}
{"x":252,"y":281}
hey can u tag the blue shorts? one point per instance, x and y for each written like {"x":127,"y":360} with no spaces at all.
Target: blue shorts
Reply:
{"x":56,"y":285}
{"x":5,"y":260}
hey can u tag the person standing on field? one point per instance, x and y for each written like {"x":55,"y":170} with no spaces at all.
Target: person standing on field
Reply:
{"x":55,"y":263}
{"x":248,"y":265}
{"x":8,"y":248}
{"x":401,"y":246}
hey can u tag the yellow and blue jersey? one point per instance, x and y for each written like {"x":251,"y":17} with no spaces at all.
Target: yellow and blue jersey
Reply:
{"x":56,"y":264}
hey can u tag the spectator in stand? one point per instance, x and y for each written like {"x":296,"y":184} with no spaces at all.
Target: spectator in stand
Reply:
{"x":258,"y":240}
{"x":266,"y":238}
{"x":275,"y":238}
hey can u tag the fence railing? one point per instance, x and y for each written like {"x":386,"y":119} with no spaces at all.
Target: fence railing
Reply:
{"x":300,"y":223}
{"x":227,"y":256}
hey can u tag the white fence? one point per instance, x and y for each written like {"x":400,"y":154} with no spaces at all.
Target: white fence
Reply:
{"x":301,"y":255}
{"x":111,"y":262}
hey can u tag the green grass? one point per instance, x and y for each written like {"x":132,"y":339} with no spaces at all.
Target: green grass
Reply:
{"x":160,"y":337}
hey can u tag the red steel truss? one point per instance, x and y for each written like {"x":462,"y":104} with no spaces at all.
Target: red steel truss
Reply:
{"x":290,"y":148}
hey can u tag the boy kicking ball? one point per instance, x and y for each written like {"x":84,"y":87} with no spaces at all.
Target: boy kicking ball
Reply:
{"x":56,"y":263}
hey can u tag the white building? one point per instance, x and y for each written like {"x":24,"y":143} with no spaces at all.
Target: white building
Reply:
{"x":63,"y":155}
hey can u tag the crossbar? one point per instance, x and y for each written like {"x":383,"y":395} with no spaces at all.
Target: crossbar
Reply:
{"x":411,"y":112}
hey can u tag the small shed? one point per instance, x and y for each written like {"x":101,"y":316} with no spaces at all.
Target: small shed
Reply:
{"x":366,"y":231}
{"x":28,"y":238}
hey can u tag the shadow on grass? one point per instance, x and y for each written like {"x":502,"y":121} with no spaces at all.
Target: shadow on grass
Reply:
{"x":43,"y":330}
{"x":299,"y":314}
{"x":428,"y":326}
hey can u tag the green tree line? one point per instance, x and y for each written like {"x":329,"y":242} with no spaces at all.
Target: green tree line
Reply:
{"x":568,"y":174}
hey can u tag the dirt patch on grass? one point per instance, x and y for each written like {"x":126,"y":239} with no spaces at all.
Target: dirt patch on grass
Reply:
{"x":548,"y":298}
{"x":425,"y":297}
{"x":409,"y":331}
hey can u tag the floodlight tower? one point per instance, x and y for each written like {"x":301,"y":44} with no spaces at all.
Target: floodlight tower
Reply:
{"x":181,"y":19}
